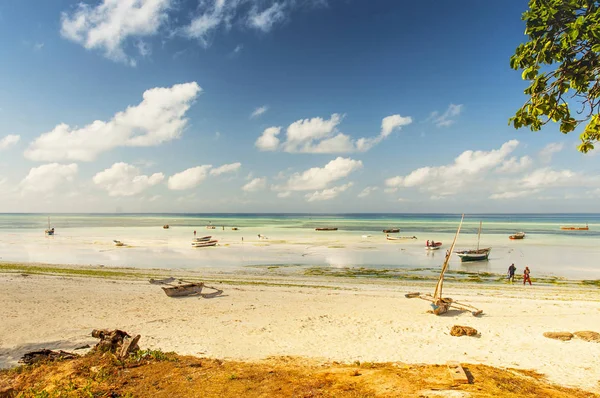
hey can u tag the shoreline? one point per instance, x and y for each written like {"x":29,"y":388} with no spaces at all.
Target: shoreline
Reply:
{"x":321,"y":317}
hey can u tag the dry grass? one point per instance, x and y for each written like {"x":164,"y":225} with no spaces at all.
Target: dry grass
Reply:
{"x":155,"y":374}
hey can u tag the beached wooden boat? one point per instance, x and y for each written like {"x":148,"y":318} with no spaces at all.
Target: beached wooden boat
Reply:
{"x":185,"y":289}
{"x":477,"y":254}
{"x":400,"y":237}
{"x":391,"y":231}
{"x":210,"y":227}
{"x":166,"y":226}
{"x":203,"y":238}
{"x":574,"y":228}
{"x":518,"y":235}
{"x":118,"y":243}
{"x":326,"y":229}
{"x":207,"y":243}
{"x":234,"y":228}
{"x":439,"y":304}
{"x":433,"y":245}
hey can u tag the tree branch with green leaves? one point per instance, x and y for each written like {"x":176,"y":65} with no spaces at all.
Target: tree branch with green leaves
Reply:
{"x":561,"y":60}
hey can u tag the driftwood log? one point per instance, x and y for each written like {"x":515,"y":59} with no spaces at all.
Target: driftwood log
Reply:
{"x":46,"y":355}
{"x":116,"y":341}
{"x":563,"y":336}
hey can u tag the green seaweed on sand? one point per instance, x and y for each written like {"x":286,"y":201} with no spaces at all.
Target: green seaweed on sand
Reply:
{"x":595,"y":282}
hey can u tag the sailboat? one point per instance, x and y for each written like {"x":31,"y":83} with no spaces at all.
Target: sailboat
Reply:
{"x":49,"y":231}
{"x":477,"y":254}
{"x":440,"y":304}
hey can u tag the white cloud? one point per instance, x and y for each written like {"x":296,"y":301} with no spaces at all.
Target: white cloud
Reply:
{"x":259,"y":111}
{"x":226,"y":168}
{"x":108,"y":25}
{"x":256,"y":184}
{"x":327,"y":194}
{"x":208,"y":20}
{"x":9,"y":141}
{"x":391,"y":190}
{"x":512,"y":194}
{"x":318,"y":135}
{"x":47,"y":178}
{"x":547,"y":177}
{"x":448,"y":117}
{"x":286,"y":194}
{"x":158,"y":118}
{"x":514,"y":165}
{"x":318,"y":178}
{"x":450,"y":179}
{"x":123,"y":179}
{"x":264,"y":20}
{"x":268,"y":141}
{"x":189,"y":178}
{"x":367,"y":191}
{"x":549,"y":150}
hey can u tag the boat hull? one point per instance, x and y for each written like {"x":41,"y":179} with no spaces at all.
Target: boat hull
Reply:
{"x":326,"y":229}
{"x":187,"y":289}
{"x":474,"y":255}
{"x":205,"y":244}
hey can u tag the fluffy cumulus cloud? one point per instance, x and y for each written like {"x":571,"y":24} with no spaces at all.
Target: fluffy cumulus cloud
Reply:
{"x":49,"y":178}
{"x":515,"y":165}
{"x":318,"y":178}
{"x":367,"y":191}
{"x":157,"y":119}
{"x":8,"y":141}
{"x":123,"y":179}
{"x":448,"y":117}
{"x":108,"y":25}
{"x":319,"y":135}
{"x":259,"y":111}
{"x":256,"y":184}
{"x":189,"y":178}
{"x":327,"y":194}
{"x":549,"y":150}
{"x":226,"y":168}
{"x":467,"y":168}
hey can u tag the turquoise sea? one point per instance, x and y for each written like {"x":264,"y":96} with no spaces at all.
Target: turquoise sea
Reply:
{"x":292,"y":240}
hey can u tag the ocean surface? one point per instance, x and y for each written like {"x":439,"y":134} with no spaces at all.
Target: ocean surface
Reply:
{"x":292,"y":240}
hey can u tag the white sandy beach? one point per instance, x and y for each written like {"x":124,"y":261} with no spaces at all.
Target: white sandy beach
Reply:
{"x":356,"y":321}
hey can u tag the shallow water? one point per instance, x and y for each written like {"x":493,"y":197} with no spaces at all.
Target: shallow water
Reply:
{"x":87,"y":239}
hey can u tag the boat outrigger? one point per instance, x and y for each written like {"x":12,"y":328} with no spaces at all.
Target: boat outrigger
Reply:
{"x":440,"y":304}
{"x":477,"y":254}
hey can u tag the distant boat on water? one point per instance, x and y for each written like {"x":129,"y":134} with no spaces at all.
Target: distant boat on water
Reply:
{"x":574,"y":228}
{"x":518,"y":235}
{"x":166,"y":226}
{"x":49,"y":231}
{"x":326,"y":229}
{"x":391,"y":231}
{"x":400,"y":237}
{"x":431,"y":245}
{"x":477,"y":254}
{"x":205,"y":243}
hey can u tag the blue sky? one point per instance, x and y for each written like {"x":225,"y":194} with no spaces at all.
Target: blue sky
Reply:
{"x":359,"y":106}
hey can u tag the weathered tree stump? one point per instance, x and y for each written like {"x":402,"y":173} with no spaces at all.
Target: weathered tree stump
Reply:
{"x":463,"y":331}
{"x":116,"y":341}
{"x":563,"y":336}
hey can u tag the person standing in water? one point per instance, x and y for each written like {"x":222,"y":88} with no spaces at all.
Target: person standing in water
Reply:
{"x":511,"y":273}
{"x":526,"y":277}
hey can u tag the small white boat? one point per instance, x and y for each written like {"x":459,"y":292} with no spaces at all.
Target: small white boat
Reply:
{"x":400,"y":237}
{"x":366,"y":236}
{"x":431,"y":245}
{"x":118,"y":243}
{"x":262,"y":237}
{"x":205,"y":244}
{"x":203,"y":239}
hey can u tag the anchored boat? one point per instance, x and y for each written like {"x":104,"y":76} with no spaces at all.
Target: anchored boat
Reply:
{"x":477,"y":254}
{"x":518,"y":235}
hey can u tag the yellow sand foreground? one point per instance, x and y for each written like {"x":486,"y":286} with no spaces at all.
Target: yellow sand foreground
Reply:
{"x":332,"y":319}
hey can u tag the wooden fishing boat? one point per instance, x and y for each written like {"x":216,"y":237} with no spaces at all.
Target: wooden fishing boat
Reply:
{"x":207,"y":243}
{"x":118,"y":243}
{"x":439,"y":304}
{"x":574,"y":228}
{"x":210,"y":227}
{"x":234,"y":228}
{"x":166,"y":226}
{"x":326,"y":229}
{"x":203,"y":239}
{"x":49,"y":231}
{"x":391,"y":231}
{"x":518,"y":235}
{"x":185,"y":289}
{"x":477,"y":254}
{"x":400,"y":237}
{"x":433,"y":245}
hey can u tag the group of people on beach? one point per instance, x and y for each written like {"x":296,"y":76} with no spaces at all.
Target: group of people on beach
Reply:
{"x":511,"y":274}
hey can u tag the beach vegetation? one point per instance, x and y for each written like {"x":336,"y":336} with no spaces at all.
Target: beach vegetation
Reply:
{"x":561,"y":62}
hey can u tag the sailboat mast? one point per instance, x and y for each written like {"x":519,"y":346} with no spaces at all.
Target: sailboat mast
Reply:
{"x":437,"y":294}
{"x":479,"y":235}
